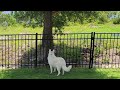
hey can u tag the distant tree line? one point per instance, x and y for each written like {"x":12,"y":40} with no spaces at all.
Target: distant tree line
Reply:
{"x":59,"y":18}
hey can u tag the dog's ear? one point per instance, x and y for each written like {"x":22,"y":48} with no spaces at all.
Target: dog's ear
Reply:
{"x":53,"y":50}
{"x":49,"y":50}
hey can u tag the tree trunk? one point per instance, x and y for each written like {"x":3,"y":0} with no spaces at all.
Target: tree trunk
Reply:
{"x":47,"y":39}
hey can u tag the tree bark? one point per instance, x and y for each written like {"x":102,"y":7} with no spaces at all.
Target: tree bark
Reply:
{"x":47,"y":39}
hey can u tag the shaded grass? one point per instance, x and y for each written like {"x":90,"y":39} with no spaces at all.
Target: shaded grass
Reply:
{"x":75,"y":73}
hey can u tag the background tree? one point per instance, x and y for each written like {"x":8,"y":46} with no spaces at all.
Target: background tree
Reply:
{"x":49,"y":19}
{"x":114,"y":16}
{"x":7,"y":18}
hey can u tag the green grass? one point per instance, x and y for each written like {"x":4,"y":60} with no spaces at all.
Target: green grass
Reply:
{"x":75,"y":73}
{"x":88,"y":28}
{"x":19,"y":29}
{"x":73,"y":28}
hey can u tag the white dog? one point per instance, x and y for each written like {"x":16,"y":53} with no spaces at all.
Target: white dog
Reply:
{"x":57,"y":63}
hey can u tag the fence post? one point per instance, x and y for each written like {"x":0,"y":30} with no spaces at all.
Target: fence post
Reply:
{"x":35,"y":63}
{"x":92,"y":50}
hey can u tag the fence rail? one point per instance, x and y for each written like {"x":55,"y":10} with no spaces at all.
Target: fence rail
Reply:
{"x":97,"y":50}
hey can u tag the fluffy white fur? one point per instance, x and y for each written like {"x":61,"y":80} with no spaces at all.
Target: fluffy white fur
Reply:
{"x":57,"y":63}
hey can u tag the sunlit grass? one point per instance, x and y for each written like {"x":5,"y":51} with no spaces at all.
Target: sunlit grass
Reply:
{"x":94,"y":28}
{"x":73,"y":28}
{"x":19,"y":29}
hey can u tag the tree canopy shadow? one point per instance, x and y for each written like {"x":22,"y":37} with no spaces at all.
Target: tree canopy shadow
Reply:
{"x":74,"y":55}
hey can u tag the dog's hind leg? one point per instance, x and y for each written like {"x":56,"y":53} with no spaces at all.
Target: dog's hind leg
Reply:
{"x":54,"y":69}
{"x":58,"y":69}
{"x":62,"y":72}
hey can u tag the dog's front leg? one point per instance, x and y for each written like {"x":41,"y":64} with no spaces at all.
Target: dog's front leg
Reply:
{"x":50,"y":69}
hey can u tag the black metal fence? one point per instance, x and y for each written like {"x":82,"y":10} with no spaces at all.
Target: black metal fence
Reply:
{"x":78,"y":49}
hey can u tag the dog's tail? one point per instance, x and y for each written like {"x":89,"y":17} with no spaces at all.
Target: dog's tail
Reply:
{"x":67,"y":69}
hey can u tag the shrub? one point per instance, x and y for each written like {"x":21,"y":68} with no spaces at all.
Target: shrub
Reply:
{"x":102,"y":20}
{"x":116,"y":21}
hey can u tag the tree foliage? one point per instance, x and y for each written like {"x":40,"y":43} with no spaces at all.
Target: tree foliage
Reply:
{"x":116,"y":21}
{"x":115,"y":16}
{"x":29,"y":18}
{"x":103,"y":17}
{"x":59,"y":18}
{"x":7,"y":19}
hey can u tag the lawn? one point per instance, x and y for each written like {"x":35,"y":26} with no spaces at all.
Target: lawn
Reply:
{"x":73,"y":28}
{"x":75,"y":73}
{"x":109,"y":28}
